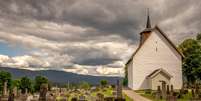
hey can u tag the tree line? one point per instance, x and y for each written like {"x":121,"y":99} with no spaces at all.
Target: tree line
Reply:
{"x":24,"y":83}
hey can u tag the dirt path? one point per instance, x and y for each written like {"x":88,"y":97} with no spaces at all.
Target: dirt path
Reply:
{"x":133,"y":95}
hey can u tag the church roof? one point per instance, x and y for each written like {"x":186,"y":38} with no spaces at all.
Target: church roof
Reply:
{"x":157,"y":71}
{"x":163,"y":34}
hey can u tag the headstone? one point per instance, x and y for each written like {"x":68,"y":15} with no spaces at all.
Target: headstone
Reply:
{"x":168,"y":90}
{"x":23,"y":97}
{"x":26,"y":91}
{"x":74,"y":99}
{"x":82,"y":98}
{"x":15,"y":91}
{"x":50,"y":97}
{"x":43,"y":92}
{"x":197,"y":91}
{"x":4,"y":96}
{"x":19,"y":92}
{"x":119,"y":89}
{"x":158,"y":93}
{"x":11,"y":96}
{"x":5,"y":89}
{"x":171,"y":90}
{"x":193,"y":93}
{"x":99,"y":97}
{"x":163,"y":89}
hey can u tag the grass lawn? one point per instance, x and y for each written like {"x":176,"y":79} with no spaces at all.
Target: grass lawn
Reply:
{"x":127,"y":98}
{"x":108,"y":93}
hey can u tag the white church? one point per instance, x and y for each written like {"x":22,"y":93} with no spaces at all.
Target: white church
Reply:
{"x":156,"y":59}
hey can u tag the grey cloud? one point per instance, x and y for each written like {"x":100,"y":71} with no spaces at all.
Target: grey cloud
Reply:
{"x":77,"y":32}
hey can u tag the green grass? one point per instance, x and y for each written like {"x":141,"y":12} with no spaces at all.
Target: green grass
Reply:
{"x":186,"y":97}
{"x":127,"y":98}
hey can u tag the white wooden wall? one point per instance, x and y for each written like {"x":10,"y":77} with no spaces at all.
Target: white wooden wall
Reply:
{"x":155,"y":53}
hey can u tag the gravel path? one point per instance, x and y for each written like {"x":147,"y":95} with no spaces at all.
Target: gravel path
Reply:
{"x":133,"y":95}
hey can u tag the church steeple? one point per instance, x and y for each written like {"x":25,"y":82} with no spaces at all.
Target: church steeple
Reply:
{"x":146,"y":32}
{"x":148,"y":20}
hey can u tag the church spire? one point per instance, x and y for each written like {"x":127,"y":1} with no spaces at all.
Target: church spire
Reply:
{"x":148,"y":20}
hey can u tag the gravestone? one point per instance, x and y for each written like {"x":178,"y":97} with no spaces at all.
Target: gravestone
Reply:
{"x":168,"y":90}
{"x":15,"y":91}
{"x":50,"y":97}
{"x":5,"y":89}
{"x":197,"y":91}
{"x":163,"y":89}
{"x":99,"y":97}
{"x":158,"y":93}
{"x":74,"y":99}
{"x":4,"y":96}
{"x":82,"y":98}
{"x":119,"y":89}
{"x":193,"y":93}
{"x":171,"y":90}
{"x":119,"y":96}
{"x":43,"y":92}
{"x":11,"y":96}
{"x":26,"y":91}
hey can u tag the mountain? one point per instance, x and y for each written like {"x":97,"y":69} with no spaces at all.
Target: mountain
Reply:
{"x":59,"y":76}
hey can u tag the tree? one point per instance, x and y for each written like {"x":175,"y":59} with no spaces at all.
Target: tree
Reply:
{"x":84,"y":85}
{"x":16,"y":83}
{"x":5,"y":76}
{"x":192,"y":61}
{"x":198,"y":37}
{"x":103,"y":83}
{"x":25,"y":83}
{"x":39,"y":80}
{"x":125,"y":80}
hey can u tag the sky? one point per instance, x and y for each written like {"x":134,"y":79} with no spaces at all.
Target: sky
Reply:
{"x":91,"y":37}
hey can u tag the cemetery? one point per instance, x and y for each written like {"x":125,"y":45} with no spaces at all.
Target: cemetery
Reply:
{"x":41,"y":90}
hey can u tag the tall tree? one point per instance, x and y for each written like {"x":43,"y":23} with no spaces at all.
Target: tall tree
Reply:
{"x":39,"y":80}
{"x":192,"y":62}
{"x":26,"y":84}
{"x":103,"y":83}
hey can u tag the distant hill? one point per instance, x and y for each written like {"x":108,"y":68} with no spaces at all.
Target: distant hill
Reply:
{"x":59,"y":76}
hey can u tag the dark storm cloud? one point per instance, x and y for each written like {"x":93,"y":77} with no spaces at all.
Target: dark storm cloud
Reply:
{"x":107,"y":17}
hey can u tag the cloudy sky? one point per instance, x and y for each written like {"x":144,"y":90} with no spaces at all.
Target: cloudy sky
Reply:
{"x":94,"y":37}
